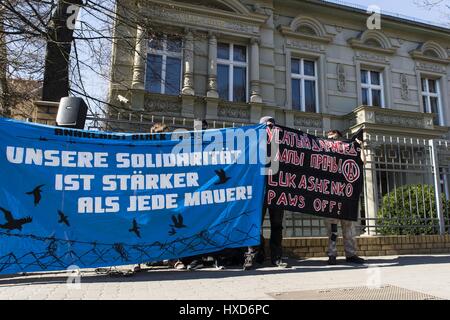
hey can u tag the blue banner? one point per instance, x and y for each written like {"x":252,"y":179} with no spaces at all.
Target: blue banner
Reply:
{"x":94,"y":199}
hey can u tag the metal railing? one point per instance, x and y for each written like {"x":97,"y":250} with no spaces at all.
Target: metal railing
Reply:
{"x":406,"y":190}
{"x":406,"y":180}
{"x":139,"y":122}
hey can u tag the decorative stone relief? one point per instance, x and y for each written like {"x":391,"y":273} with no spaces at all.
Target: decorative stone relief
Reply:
{"x":402,"y":121}
{"x":429,"y":123}
{"x":188,"y":81}
{"x":371,"y":57}
{"x":404,"y":88}
{"x":341,"y":79}
{"x":186,"y":18}
{"x":430,"y":67}
{"x":212,"y":83}
{"x":308,"y":122}
{"x":159,"y":105}
{"x":305,"y":45}
{"x":233,"y":112}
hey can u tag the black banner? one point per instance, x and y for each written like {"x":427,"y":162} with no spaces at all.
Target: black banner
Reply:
{"x":313,"y":175}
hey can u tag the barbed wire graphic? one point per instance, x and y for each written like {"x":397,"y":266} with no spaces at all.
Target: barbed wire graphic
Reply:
{"x":53,"y":254}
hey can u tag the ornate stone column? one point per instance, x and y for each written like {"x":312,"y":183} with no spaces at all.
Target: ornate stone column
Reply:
{"x":188,"y":76}
{"x":139,"y":59}
{"x":137,"y":84}
{"x":212,"y":66}
{"x":212,"y":96}
{"x":255,"y":96}
{"x":370,"y":190}
{"x":188,"y":91}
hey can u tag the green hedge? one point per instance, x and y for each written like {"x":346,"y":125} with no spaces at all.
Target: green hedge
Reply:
{"x":410,"y":210}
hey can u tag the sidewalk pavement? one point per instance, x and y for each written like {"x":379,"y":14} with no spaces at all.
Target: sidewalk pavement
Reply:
{"x":418,"y":275}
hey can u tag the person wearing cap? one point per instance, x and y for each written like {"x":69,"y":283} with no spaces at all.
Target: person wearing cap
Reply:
{"x":257,"y":254}
{"x":348,"y":227}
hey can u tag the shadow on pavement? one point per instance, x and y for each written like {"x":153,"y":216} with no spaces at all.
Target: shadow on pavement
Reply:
{"x":165,"y":274}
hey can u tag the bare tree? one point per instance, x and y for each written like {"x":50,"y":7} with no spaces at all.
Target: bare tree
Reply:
{"x":443,"y":6}
{"x":4,"y":91}
{"x":37,"y":43}
{"x":59,"y":43}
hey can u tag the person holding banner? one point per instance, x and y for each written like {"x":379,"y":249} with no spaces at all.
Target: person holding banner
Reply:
{"x":348,"y":227}
{"x":257,"y":254}
{"x":160,"y":128}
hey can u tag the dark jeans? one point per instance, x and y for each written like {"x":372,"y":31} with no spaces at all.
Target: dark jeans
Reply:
{"x":276,"y":235}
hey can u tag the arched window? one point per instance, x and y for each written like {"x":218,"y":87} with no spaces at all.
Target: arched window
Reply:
{"x":431,"y":53}
{"x":373,"y":43}
{"x":306,"y":30}
{"x":373,"y":40}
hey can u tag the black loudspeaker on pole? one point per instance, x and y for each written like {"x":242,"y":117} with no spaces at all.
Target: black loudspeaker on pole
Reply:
{"x":72,"y":112}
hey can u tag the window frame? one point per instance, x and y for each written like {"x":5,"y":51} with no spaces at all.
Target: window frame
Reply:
{"x":429,"y":95}
{"x":302,"y":77}
{"x":164,"y":54}
{"x":371,"y":86}
{"x":231,"y":64}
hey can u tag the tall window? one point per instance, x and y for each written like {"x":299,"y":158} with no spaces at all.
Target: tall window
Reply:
{"x":372,"y":88}
{"x":232,"y":72}
{"x":304,"y":85}
{"x":163,"y":72}
{"x":431,"y":98}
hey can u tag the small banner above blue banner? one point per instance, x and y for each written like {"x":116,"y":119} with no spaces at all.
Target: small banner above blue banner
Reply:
{"x":316,"y":176}
{"x":94,"y":199}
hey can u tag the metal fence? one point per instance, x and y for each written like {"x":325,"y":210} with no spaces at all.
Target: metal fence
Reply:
{"x":406,"y":190}
{"x":131,"y":122}
{"x":406,"y":180}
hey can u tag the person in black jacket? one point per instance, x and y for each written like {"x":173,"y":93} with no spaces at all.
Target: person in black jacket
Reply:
{"x":257,"y":254}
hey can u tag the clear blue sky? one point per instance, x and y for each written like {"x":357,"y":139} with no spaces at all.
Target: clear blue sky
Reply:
{"x":440,"y":14}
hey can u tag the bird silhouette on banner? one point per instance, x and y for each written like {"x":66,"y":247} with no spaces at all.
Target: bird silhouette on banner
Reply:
{"x":36,"y":193}
{"x":222,"y":176}
{"x":11,"y":223}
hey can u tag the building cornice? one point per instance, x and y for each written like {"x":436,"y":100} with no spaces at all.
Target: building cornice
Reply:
{"x":250,"y":17}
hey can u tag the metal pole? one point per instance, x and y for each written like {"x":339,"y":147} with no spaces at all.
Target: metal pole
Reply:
{"x":437,"y":186}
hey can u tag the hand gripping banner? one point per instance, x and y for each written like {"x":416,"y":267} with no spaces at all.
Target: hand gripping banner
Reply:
{"x":95,"y":199}
{"x":315,"y":176}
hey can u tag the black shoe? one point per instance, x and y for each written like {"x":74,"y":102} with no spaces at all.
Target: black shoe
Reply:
{"x":280,"y":263}
{"x":355,"y":259}
{"x":332,"y":261}
{"x":248,"y":263}
{"x":195,"y":265}
{"x":208,"y":261}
